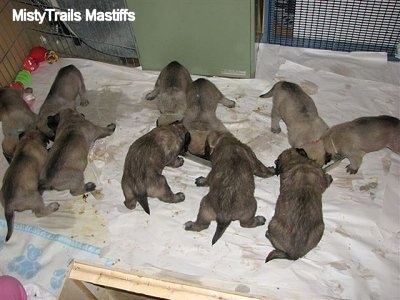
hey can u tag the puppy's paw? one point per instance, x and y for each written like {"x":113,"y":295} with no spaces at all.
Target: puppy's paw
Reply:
{"x":275,"y":130}
{"x":90,"y":186}
{"x":351,"y":170}
{"x":84,"y":102}
{"x":54,"y":206}
{"x":230,"y":103}
{"x":177,"y":163}
{"x":130,"y":204}
{"x":181,"y":161}
{"x":152,"y":95}
{"x":179,"y":197}
{"x":189,"y":225}
{"x":329,"y":179}
{"x":111,"y":127}
{"x":260,"y":220}
{"x":201,"y":181}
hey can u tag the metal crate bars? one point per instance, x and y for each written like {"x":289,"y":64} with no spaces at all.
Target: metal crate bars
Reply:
{"x":341,"y":25}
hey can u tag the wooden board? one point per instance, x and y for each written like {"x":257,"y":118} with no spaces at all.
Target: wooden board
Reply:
{"x":140,"y":286}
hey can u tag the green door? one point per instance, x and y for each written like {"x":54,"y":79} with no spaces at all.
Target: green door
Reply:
{"x":209,"y":37}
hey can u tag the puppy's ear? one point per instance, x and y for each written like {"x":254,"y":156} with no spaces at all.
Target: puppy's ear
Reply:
{"x":52,"y":121}
{"x":207,"y":151}
{"x":186,"y":142}
{"x":278,"y":167}
{"x":302,"y":152}
{"x":328,"y":157}
{"x":176,"y":122}
{"x":21,"y":134}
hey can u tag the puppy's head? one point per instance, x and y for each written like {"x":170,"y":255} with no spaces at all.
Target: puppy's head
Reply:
{"x":288,"y":158}
{"x":34,"y":134}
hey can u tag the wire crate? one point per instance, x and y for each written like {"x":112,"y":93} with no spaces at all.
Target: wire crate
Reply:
{"x":341,"y":25}
{"x":111,"y":41}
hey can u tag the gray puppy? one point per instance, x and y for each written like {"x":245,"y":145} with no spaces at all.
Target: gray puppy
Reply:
{"x":297,"y":225}
{"x":145,"y":161}
{"x":200,"y":116}
{"x":20,"y":183}
{"x":68,"y":157}
{"x":354,"y":139}
{"x":16,"y":117}
{"x":305,"y":127}
{"x":67,"y":85}
{"x":170,"y":91}
{"x":231,"y":182}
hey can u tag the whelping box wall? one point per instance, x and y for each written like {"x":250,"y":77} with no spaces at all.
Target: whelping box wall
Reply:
{"x":212,"y":38}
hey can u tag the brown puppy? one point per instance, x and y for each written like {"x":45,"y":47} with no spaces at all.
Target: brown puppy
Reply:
{"x":67,"y":85}
{"x":170,"y":91}
{"x":68,"y":157}
{"x":200,"y":118}
{"x":354,"y":139}
{"x":291,"y":104}
{"x":297,"y":225}
{"x":231,"y":182}
{"x":145,"y":161}
{"x":16,"y":117}
{"x":20,"y":183}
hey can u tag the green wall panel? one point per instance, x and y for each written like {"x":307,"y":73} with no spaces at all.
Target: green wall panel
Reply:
{"x":209,"y":37}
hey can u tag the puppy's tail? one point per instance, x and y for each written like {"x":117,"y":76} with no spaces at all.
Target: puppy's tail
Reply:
{"x":144,"y":203}
{"x":277,"y":254}
{"x":268,"y":94}
{"x":9,"y":216}
{"x":222,"y":225}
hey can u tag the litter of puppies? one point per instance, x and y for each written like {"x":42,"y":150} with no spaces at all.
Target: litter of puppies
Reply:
{"x":225,"y":238}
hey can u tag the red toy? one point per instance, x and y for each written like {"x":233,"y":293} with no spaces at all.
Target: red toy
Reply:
{"x":16,"y":85}
{"x":30,"y":64}
{"x":38,"y":53}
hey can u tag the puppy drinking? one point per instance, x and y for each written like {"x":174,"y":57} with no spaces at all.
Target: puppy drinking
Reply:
{"x":354,"y":139}
{"x":16,"y":117}
{"x":297,"y":225}
{"x":145,"y":161}
{"x":68,"y":157}
{"x":67,"y":85}
{"x":20,"y":183}
{"x":200,"y":117}
{"x":170,"y":92}
{"x":305,"y":127}
{"x":231,"y":182}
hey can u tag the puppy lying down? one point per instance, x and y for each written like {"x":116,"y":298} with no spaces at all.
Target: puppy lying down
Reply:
{"x":297,"y":225}
{"x":231,"y":182}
